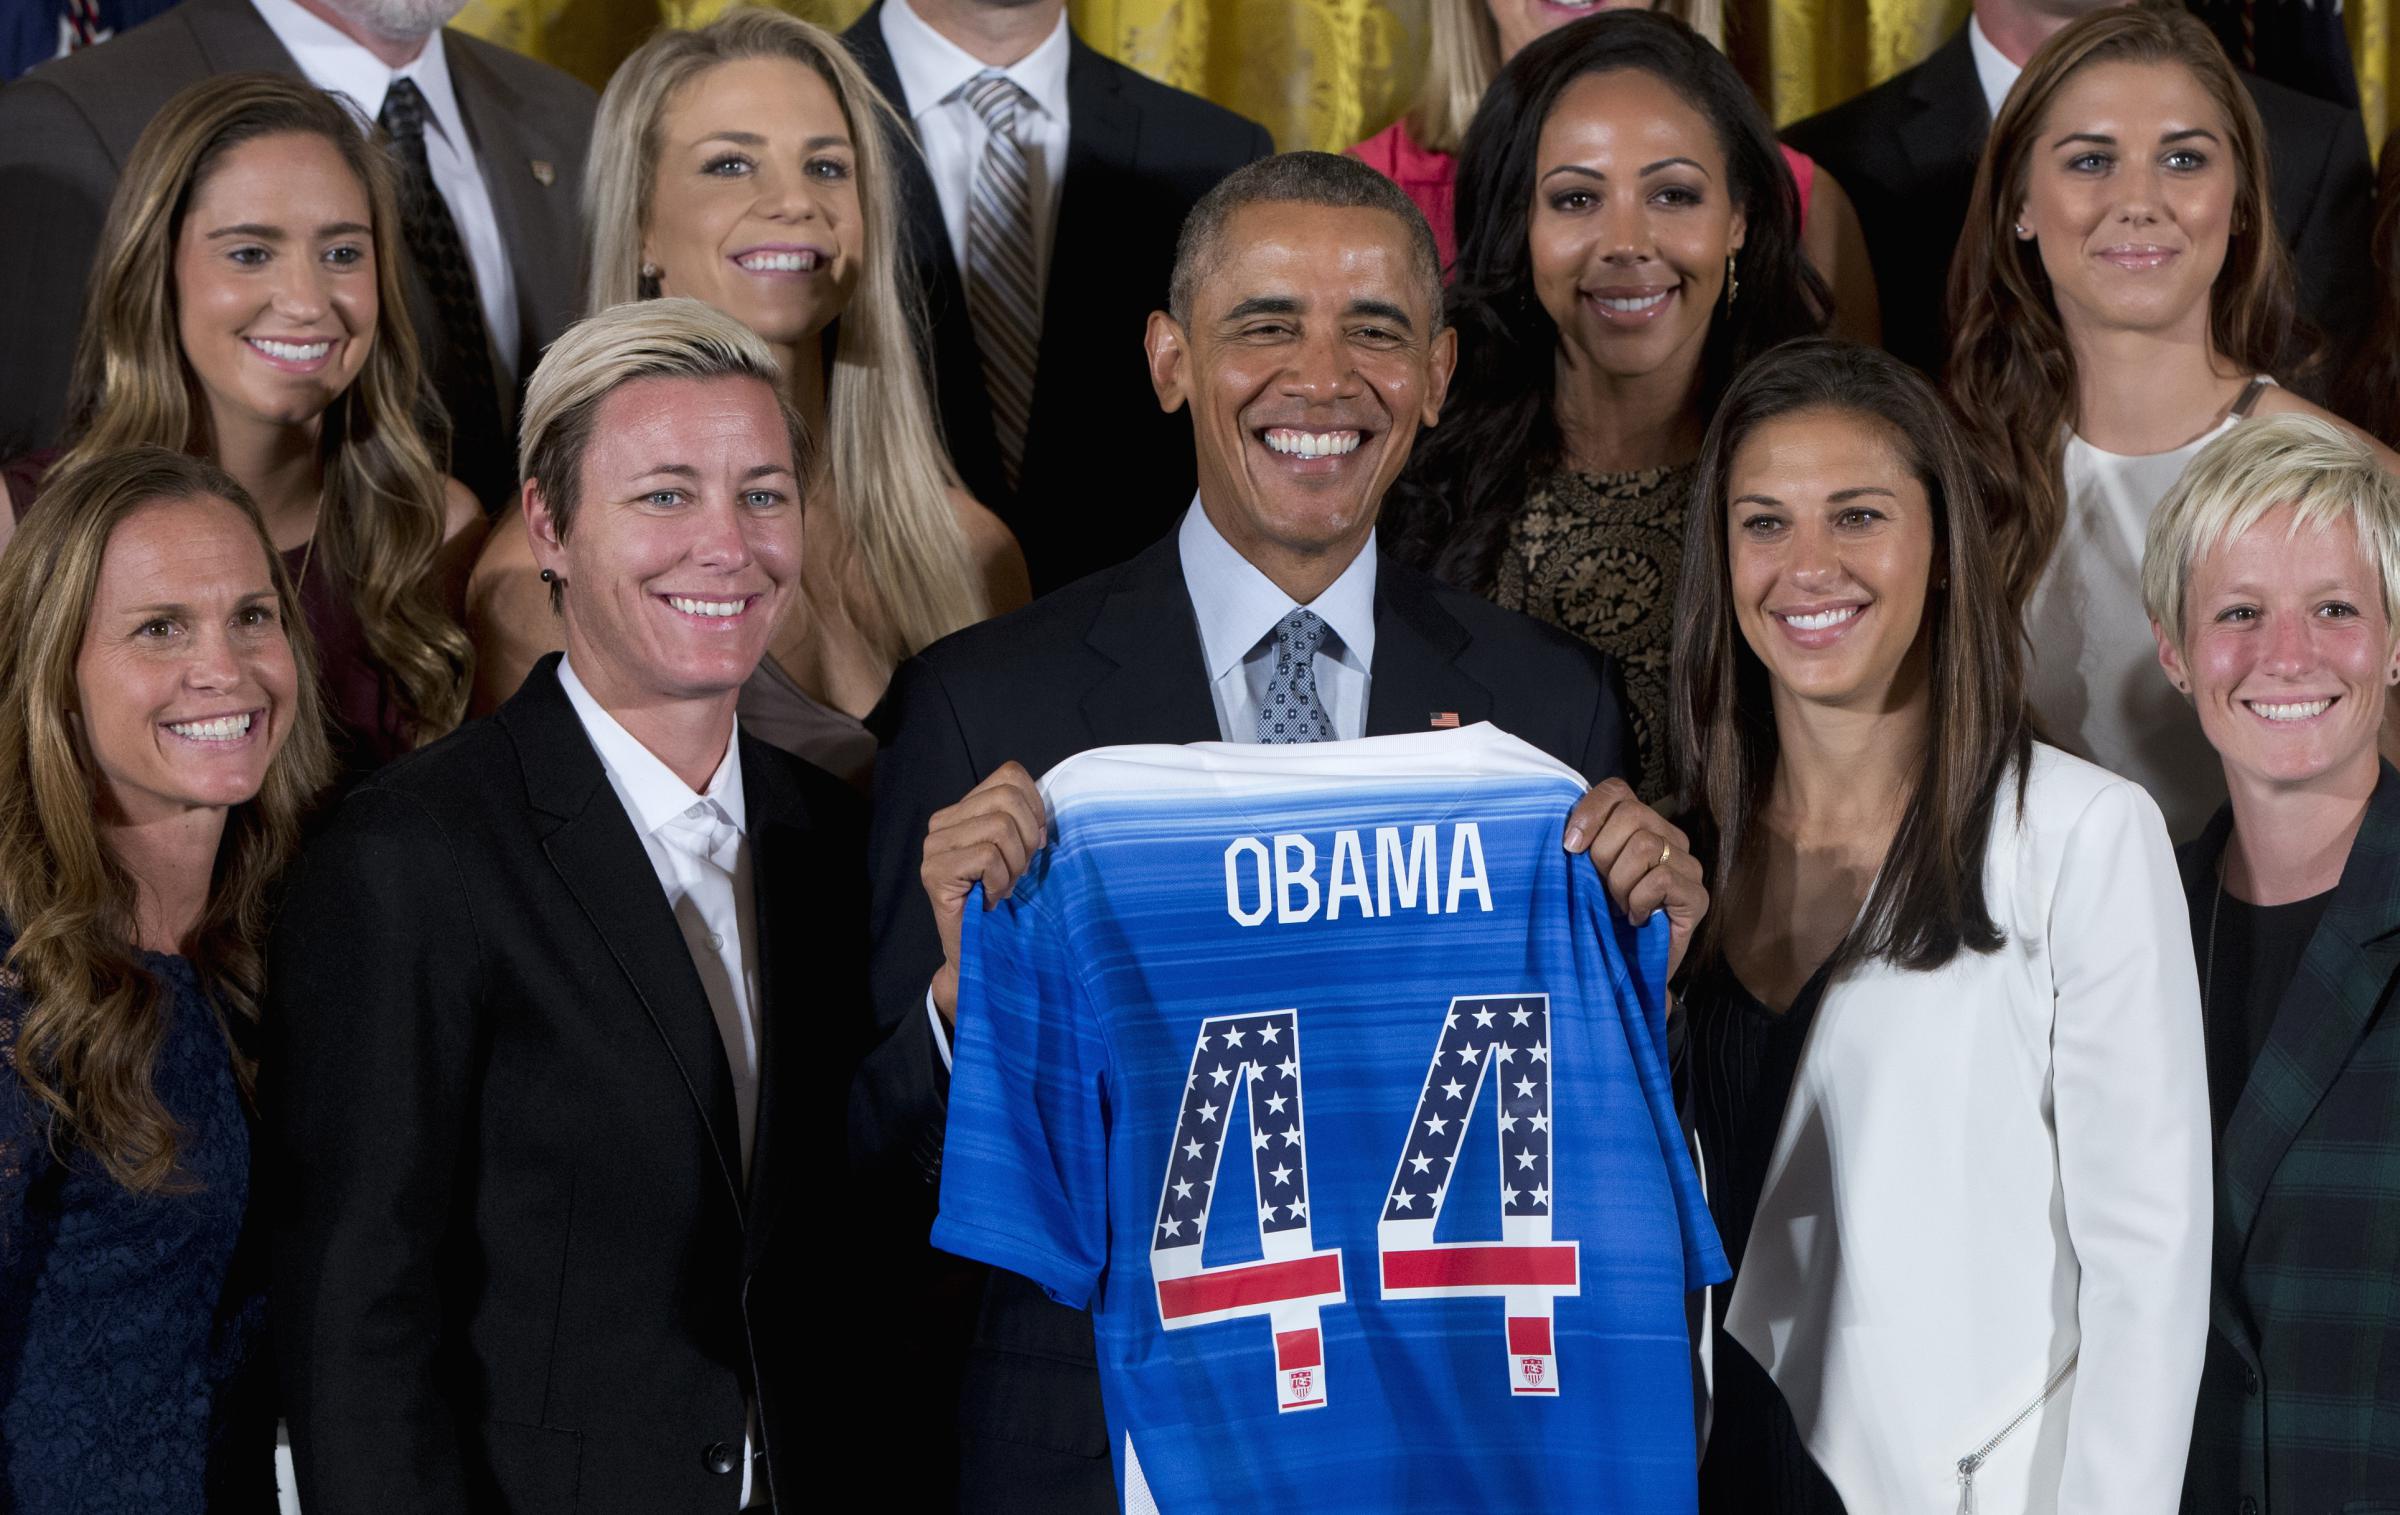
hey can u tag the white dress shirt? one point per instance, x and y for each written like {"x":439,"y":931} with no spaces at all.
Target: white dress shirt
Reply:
{"x":933,"y":71}
{"x":339,"y":65}
{"x":1238,"y":608}
{"x":1994,"y":69}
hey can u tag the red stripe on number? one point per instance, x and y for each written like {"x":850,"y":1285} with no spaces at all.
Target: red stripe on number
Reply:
{"x":1529,"y":1336}
{"x":1299,"y":1349}
{"x":1451,"y":1267}
{"x":1250,"y":1284}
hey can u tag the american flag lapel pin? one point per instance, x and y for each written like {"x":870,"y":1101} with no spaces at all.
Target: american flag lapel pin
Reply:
{"x":543,"y":173}
{"x":1444,"y":720}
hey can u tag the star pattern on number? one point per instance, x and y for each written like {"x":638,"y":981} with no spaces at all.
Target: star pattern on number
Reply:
{"x":1480,"y":1038}
{"x":1231,"y":1051}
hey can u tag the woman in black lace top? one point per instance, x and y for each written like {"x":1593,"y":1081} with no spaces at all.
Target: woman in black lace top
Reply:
{"x":1628,"y":237}
{"x":159,"y":735}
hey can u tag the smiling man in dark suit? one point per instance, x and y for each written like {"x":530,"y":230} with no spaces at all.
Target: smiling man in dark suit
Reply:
{"x":1906,"y":151}
{"x":1305,"y":338}
{"x":488,"y":149}
{"x":1043,"y":201}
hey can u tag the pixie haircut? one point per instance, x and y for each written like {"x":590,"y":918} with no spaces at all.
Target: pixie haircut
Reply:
{"x":2326,"y":475}
{"x":1306,"y":178}
{"x":646,"y":339}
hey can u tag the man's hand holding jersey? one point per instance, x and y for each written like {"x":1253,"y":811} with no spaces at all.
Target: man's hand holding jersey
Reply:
{"x":987,"y":838}
{"x":990,"y":836}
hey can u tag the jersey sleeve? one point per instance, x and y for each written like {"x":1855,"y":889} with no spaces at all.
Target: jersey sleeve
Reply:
{"x":1635,"y":959}
{"x":1024,"y":1178}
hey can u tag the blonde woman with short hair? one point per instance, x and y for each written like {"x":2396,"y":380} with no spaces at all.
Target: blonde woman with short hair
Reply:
{"x":750,"y":165}
{"x":2272,"y":581}
{"x":1469,"y":41}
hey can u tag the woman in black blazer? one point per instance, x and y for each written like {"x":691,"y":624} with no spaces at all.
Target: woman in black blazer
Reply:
{"x":563,"y":1004}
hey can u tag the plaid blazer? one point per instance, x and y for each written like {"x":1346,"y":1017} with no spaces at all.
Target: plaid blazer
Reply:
{"x":2299,"y":1409}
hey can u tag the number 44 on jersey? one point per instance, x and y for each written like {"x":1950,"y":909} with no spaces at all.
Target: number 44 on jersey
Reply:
{"x":1500,"y":1042}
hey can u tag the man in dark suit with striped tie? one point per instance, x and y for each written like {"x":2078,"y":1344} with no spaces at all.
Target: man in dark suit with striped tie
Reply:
{"x":1043,"y":199}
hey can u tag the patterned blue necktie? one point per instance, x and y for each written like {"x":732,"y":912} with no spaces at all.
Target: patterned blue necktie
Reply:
{"x":1291,"y":711}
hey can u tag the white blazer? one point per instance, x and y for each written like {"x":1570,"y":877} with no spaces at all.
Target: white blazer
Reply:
{"x":1983,"y":1243}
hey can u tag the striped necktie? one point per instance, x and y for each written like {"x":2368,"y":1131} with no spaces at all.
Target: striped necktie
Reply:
{"x":1003,"y":298}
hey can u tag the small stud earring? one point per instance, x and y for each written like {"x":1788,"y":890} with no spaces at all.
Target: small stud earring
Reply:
{"x":548,"y":577}
{"x":2022,"y":234}
{"x":649,"y":270}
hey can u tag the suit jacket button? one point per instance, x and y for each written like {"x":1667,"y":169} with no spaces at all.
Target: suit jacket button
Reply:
{"x":719,"y":1457}
{"x":2250,"y":1381}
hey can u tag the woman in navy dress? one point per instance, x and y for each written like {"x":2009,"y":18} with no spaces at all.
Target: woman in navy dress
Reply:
{"x":160,"y":734}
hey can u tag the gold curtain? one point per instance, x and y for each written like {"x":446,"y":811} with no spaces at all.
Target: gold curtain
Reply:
{"x":1325,"y":73}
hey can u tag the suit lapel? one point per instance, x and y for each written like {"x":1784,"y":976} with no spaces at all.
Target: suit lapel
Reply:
{"x":1417,"y":647}
{"x":2345,"y":976}
{"x":506,"y":157}
{"x":786,"y":914}
{"x":1158,"y":692}
{"x":600,"y":861}
{"x":233,"y":37}
{"x":1104,"y":130}
{"x":1952,"y":118}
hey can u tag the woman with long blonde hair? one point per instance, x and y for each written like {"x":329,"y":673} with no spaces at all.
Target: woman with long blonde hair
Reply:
{"x":750,"y":164}
{"x":248,"y":307}
{"x":1470,"y":41}
{"x":160,"y":736}
{"x":2120,"y":298}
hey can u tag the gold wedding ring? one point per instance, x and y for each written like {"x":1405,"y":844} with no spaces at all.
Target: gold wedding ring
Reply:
{"x":1666,"y":852}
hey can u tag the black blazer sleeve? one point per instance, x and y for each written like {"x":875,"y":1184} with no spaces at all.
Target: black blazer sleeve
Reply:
{"x":1609,"y":749}
{"x":901,"y":1096}
{"x":367,"y":1088}
{"x":56,"y":176}
{"x":2332,"y":246}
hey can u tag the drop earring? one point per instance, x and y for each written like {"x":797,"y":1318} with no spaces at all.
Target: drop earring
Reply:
{"x":1733,"y":282}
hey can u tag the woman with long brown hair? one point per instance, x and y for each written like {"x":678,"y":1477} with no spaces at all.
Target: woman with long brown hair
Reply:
{"x":159,"y":739}
{"x":1944,"y":1035}
{"x":248,"y":307}
{"x":751,"y":165}
{"x":2121,"y":297}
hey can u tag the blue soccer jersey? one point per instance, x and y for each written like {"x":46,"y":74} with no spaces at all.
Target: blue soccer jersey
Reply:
{"x":1337,"y":1091}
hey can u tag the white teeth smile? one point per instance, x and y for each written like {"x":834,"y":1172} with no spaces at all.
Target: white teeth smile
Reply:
{"x":779,"y":262}
{"x":2301,"y":710}
{"x":716,"y":609}
{"x":1821,"y":619}
{"x":224,"y":728}
{"x":1635,"y":304}
{"x":1312,"y":444}
{"x":292,"y":352}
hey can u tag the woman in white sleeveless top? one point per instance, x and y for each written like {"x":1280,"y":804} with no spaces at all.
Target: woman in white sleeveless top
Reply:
{"x":2119,"y":299}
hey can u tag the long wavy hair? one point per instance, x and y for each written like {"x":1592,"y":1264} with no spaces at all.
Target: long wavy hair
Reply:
{"x":1927,"y":903}
{"x":2012,"y":370}
{"x":94,"y":1016}
{"x":381,"y":520}
{"x":1452,"y":508}
{"x":882,"y":447}
{"x":1462,"y":53}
